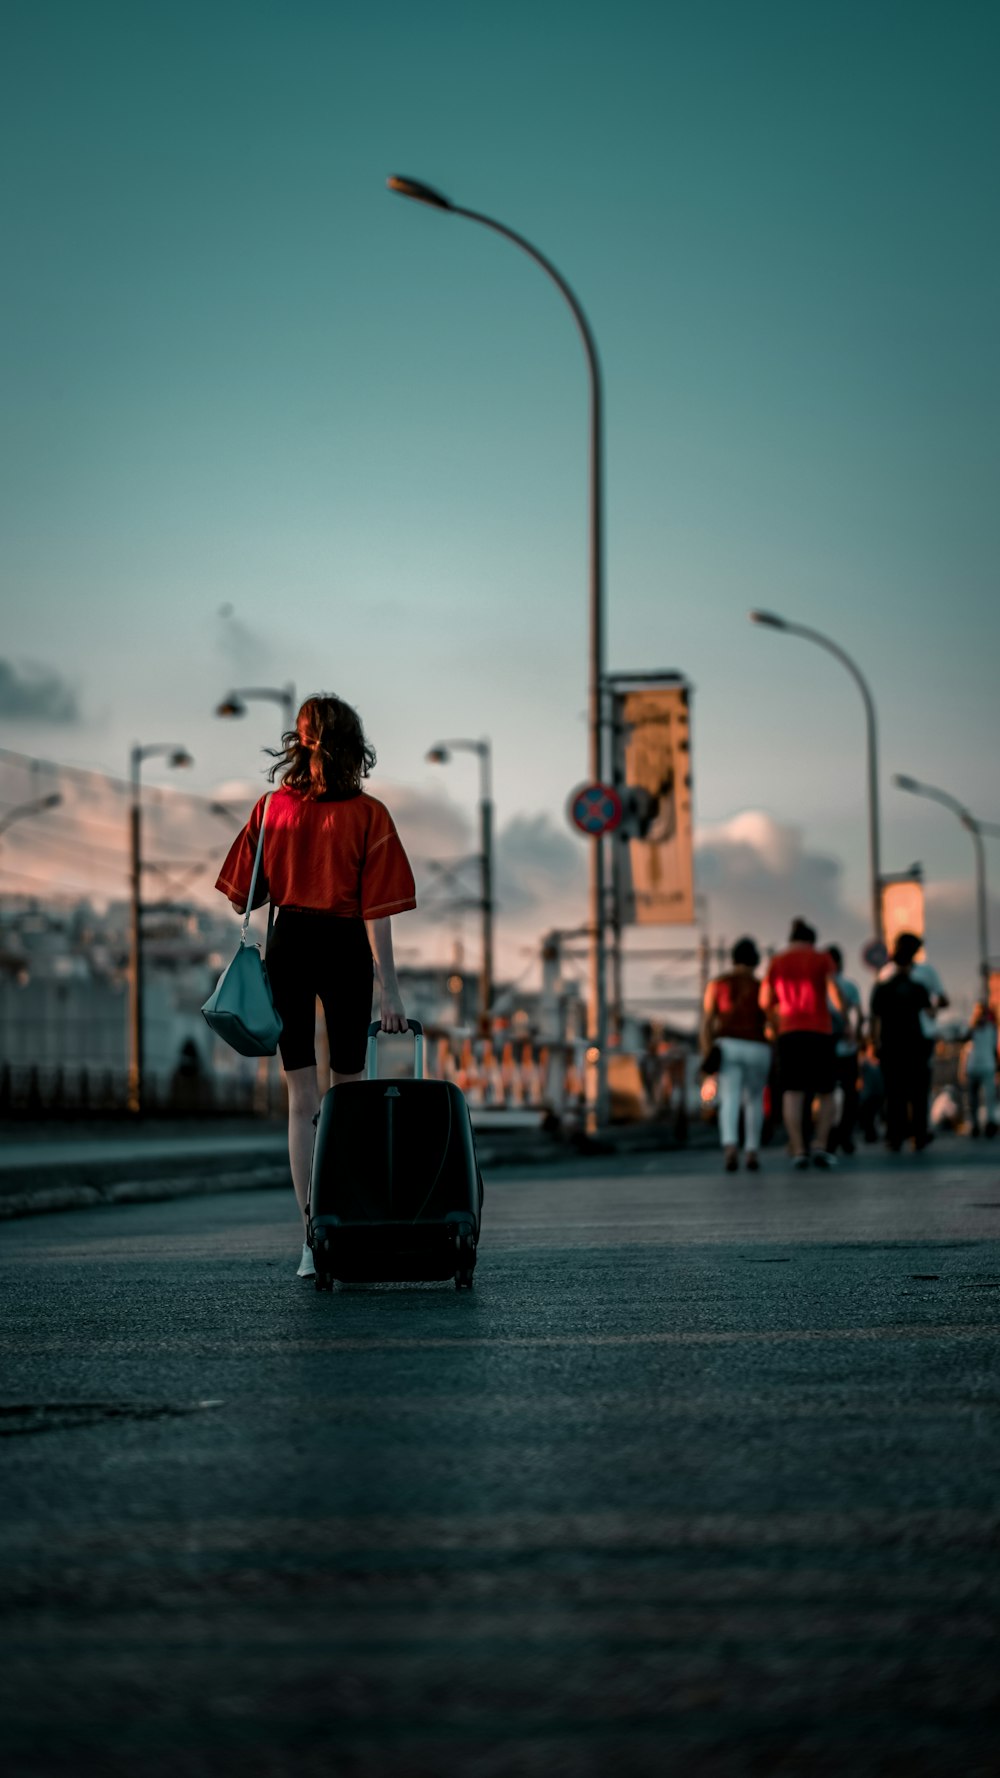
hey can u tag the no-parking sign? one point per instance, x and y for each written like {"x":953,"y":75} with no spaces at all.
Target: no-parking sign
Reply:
{"x":596,"y":809}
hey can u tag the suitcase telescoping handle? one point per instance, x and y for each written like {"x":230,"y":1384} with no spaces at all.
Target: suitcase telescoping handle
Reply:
{"x":418,"y":1048}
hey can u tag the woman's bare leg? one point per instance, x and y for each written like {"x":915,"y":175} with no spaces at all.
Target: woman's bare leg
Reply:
{"x":793,"y":1107}
{"x":303,"y":1104}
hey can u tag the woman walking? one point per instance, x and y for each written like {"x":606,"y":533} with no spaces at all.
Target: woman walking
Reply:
{"x":335,"y":872}
{"x":979,"y":1068}
{"x":733,"y":1020}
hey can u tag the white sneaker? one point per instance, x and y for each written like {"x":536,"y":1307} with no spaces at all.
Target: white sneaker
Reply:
{"x":307,"y":1265}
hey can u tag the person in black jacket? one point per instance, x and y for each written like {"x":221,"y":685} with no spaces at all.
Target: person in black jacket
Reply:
{"x":899,"y":1040}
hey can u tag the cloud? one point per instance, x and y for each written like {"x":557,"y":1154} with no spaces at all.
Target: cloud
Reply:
{"x":33,"y":693}
{"x":758,"y":874}
{"x":430,"y":824}
{"x":539,"y":867}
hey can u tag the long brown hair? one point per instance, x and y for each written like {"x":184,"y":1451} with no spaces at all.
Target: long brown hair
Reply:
{"x":326,"y":753}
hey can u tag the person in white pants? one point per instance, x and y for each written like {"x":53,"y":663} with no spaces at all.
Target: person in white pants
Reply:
{"x":734,"y":1021}
{"x":979,"y":1067}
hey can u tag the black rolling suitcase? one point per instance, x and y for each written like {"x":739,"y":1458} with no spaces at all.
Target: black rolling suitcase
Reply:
{"x":395,"y":1191}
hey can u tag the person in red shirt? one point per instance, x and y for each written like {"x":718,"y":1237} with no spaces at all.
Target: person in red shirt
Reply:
{"x":797,"y":993}
{"x":334,"y":869}
{"x":733,"y":1021}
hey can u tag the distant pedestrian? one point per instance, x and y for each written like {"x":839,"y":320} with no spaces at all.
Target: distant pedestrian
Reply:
{"x":734,"y":1019}
{"x":800,"y":994}
{"x":871,"y":1100}
{"x":979,"y":1069}
{"x":907,"y":949}
{"x":898,"y":1034}
{"x":335,"y":870}
{"x":905,"y":952}
{"x":847,"y":1023}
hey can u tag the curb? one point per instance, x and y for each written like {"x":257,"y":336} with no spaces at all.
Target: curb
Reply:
{"x":91,"y":1194}
{"x":49,"y":1198}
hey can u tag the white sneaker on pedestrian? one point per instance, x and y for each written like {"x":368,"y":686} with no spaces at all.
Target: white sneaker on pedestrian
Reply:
{"x":824,"y":1160}
{"x":307,"y":1265}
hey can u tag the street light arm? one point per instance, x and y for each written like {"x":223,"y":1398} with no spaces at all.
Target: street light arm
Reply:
{"x":484,"y":752}
{"x":845,"y":660}
{"x":23,"y":810}
{"x":975,"y":828}
{"x":931,"y":792}
{"x":771,"y":621}
{"x":427,"y":194}
{"x":276,"y":695}
{"x":565,"y":289}
{"x":284,"y":696}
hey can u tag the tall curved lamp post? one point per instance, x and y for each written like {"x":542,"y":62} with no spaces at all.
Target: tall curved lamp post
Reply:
{"x":425,"y":194}
{"x":975,"y":828}
{"x":769,"y":620}
{"x":176,"y":757}
{"x":440,"y":755}
{"x":234,"y":702}
{"x":23,"y":810}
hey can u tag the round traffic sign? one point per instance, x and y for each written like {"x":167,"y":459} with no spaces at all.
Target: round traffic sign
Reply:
{"x":595,"y":809}
{"x":874,"y":954}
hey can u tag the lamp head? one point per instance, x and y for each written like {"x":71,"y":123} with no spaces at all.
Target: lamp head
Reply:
{"x":769,"y":619}
{"x":902,"y":782}
{"x":415,"y":188}
{"x":231,"y":706}
{"x":438,"y":756}
{"x":180,"y":757}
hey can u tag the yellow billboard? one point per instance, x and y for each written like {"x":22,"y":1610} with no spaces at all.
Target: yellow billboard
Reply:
{"x":653,"y":850}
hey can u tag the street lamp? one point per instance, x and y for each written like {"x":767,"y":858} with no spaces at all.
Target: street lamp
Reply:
{"x":440,"y":755}
{"x":176,"y":757}
{"x":976,"y":829}
{"x":425,"y":194}
{"x":37,"y":807}
{"x":233,"y":703}
{"x":772,"y":622}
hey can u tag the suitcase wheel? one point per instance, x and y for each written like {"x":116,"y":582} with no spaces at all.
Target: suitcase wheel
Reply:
{"x":465,"y":1244}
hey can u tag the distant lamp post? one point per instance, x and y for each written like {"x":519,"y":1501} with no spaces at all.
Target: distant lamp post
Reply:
{"x":598,"y":1009}
{"x":24,"y":810}
{"x":177,"y":758}
{"x":440,"y":755}
{"x":234,"y":705}
{"x":976,"y":828}
{"x":769,"y":620}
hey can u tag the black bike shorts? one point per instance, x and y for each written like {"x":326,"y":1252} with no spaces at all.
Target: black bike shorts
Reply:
{"x":806,"y":1062}
{"x":314,"y":955}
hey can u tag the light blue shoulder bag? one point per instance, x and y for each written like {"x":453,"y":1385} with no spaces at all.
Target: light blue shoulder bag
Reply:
{"x":241,"y":1011}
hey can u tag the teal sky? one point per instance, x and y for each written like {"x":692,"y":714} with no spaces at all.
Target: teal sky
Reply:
{"x":236,"y":370}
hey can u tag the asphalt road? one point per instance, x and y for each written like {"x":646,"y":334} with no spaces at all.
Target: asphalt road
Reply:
{"x":701,"y":1478}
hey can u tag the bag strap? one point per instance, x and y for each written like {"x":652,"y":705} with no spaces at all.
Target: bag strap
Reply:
{"x":253,"y":880}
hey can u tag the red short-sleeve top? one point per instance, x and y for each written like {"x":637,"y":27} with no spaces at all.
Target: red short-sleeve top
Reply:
{"x":798,"y":979}
{"x":337,"y":856}
{"x":736,"y":1003}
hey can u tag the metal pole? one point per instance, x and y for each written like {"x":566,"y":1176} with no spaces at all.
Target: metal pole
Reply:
{"x":598,"y":1010}
{"x":486,"y":865}
{"x":135,"y":1007}
{"x":871,"y":728}
{"x":982,"y":909}
{"x":975,"y":828}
